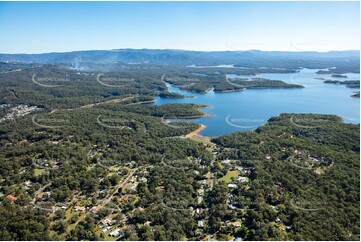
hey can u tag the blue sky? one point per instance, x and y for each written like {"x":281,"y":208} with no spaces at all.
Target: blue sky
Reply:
{"x":39,"y":27}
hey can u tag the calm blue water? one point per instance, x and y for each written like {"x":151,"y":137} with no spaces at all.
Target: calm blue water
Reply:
{"x":249,"y":109}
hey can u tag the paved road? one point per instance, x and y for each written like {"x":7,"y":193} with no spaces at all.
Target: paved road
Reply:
{"x":41,"y":189}
{"x":119,"y":186}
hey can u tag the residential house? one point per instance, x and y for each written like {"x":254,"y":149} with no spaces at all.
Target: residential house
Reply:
{"x":46,"y":195}
{"x":241,"y":179}
{"x":108,"y":221}
{"x":79,"y":208}
{"x":199,"y":210}
{"x":116,"y":233}
{"x":12,"y":198}
{"x":95,"y":209}
{"x":232,"y":186}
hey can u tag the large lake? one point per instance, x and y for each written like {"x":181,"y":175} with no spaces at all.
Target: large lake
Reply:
{"x":248,"y":109}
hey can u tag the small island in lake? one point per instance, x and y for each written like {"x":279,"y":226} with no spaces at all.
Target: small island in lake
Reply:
{"x":339,"y":76}
{"x":255,"y":83}
{"x":357,"y":94}
{"x":218,"y":83}
{"x":349,"y":84}
{"x":173,"y":95}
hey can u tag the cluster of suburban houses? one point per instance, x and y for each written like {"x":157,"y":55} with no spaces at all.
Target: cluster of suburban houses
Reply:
{"x":17,"y":111}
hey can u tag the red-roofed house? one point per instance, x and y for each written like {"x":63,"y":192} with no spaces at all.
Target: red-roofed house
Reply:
{"x":78,"y":208}
{"x":11,"y":197}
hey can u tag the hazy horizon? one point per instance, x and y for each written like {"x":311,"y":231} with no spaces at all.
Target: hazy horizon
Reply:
{"x":170,"y":49}
{"x":46,"y":27}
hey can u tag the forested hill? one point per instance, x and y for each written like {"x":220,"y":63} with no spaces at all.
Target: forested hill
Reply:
{"x":305,"y":184}
{"x":252,"y":58}
{"x":295,"y":178}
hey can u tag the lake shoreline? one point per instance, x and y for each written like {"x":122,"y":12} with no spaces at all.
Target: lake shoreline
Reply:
{"x":254,"y":104}
{"x":195,"y":135}
{"x":196,"y":116}
{"x":233,"y":90}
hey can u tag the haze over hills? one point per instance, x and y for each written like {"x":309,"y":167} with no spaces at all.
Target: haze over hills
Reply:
{"x":253,"y":58}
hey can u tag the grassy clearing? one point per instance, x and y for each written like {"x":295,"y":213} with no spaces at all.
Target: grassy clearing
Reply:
{"x":228,"y":177}
{"x":37,"y":172}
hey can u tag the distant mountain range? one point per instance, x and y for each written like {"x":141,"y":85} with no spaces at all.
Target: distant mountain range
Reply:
{"x":155,"y":56}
